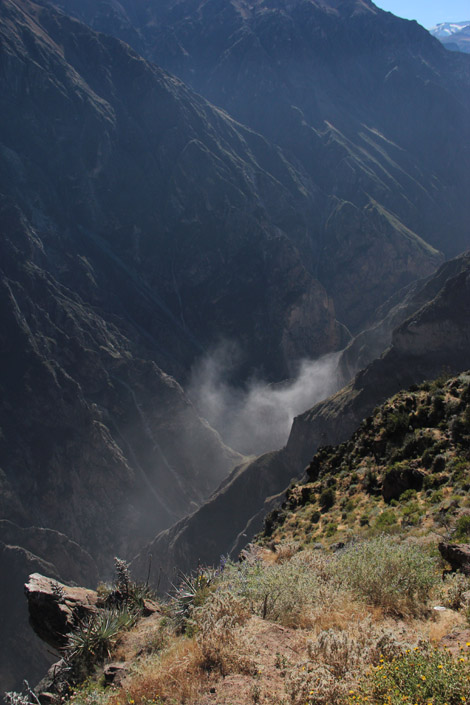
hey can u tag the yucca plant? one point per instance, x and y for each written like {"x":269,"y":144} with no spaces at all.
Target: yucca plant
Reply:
{"x":92,"y":639}
{"x":191,"y":592}
{"x":125,"y":592}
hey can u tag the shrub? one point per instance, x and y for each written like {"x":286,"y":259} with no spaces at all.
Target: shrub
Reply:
{"x":386,"y":520}
{"x":462,"y":528}
{"x":283,"y":592}
{"x":90,"y":693}
{"x":314,"y":684}
{"x":327,"y":499}
{"x":457,"y":585}
{"x":331,"y":529}
{"x":411,"y":514}
{"x":423,"y":675}
{"x":336,"y":658}
{"x":338,"y":650}
{"x":192,"y":591}
{"x":371,"y":482}
{"x":436,"y":497}
{"x":407,"y":495}
{"x":386,"y":572}
{"x":397,"y":422}
{"x":216,"y":623}
{"x":124,"y":593}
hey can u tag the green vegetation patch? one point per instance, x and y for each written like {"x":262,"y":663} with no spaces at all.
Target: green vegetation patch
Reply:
{"x":422,"y":676}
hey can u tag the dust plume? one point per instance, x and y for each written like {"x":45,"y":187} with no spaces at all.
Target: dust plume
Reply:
{"x":257,"y":417}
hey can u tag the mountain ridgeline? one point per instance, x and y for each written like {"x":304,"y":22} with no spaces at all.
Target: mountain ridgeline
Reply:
{"x":374,"y":109}
{"x":287,"y":177}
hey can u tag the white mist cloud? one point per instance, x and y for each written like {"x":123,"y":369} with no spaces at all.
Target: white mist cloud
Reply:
{"x":257,"y":418}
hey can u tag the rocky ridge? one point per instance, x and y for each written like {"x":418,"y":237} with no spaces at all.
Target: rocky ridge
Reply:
{"x":405,"y":468}
{"x":453,"y":35}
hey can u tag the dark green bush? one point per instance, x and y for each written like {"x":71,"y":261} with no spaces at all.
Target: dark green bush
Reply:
{"x":327,"y":499}
{"x":386,"y":520}
{"x":407,"y":495}
{"x":462,"y":528}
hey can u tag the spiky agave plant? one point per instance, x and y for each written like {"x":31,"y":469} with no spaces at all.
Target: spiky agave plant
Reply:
{"x":191,"y":592}
{"x":92,"y":639}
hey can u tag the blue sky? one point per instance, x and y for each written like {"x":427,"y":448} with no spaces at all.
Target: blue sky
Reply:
{"x":428,"y":12}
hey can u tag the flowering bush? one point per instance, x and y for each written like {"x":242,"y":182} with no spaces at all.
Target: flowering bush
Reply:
{"x":421,"y":676}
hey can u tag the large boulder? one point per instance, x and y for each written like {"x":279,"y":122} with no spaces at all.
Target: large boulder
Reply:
{"x":457,"y":554}
{"x":55,"y":608}
{"x":399,"y":479}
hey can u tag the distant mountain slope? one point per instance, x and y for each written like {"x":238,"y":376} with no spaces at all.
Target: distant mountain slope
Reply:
{"x":186,"y":207}
{"x":453,"y":35}
{"x":435,"y":337}
{"x":374,"y":108}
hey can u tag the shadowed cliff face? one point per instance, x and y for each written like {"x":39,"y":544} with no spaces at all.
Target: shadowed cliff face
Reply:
{"x":96,"y":441}
{"x":21,"y":552}
{"x":182,"y":208}
{"x":435,"y":337}
{"x":371,"y":106}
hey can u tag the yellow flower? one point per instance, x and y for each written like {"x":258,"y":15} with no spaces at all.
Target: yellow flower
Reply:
{"x":423,"y":678}
{"x":440,"y":666}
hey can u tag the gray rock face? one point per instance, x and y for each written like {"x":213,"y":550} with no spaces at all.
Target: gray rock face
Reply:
{"x":458,"y":555}
{"x":157,"y":206}
{"x":373,"y":341}
{"x":55,"y":609}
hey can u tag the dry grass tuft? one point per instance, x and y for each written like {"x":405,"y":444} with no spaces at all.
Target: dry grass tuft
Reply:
{"x":176,"y":677}
{"x":220,"y":640}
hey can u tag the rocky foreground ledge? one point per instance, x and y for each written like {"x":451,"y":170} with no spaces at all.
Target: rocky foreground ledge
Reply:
{"x":55,"y":609}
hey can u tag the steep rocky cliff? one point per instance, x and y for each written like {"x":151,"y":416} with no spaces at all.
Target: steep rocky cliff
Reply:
{"x":433,"y":339}
{"x":181,"y":207}
{"x":375,"y":109}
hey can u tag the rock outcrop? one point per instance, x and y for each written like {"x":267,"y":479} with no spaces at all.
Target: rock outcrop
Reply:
{"x":55,"y":609}
{"x":22,"y":552}
{"x":457,"y":554}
